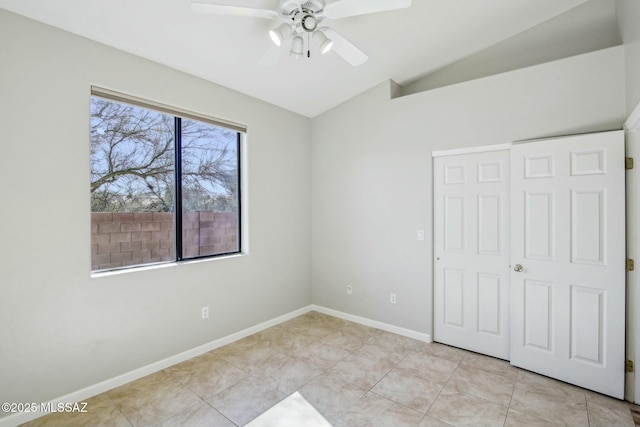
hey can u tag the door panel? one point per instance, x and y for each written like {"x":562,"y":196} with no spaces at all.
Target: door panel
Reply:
{"x":587,"y":227}
{"x":454,"y":223}
{"x":538,"y":226}
{"x":538,"y":320}
{"x":490,"y":222}
{"x":568,"y":233}
{"x":489,"y":286}
{"x":587,"y":323}
{"x":471,"y":229}
{"x":453,"y":290}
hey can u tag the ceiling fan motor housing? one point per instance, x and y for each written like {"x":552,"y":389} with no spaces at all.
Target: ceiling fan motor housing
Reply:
{"x":303,"y":13}
{"x":288,"y":7}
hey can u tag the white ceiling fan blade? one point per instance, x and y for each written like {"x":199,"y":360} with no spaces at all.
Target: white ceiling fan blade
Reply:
{"x":345,"y":48}
{"x":220,"y":9}
{"x":345,"y":8}
{"x":272,"y":55}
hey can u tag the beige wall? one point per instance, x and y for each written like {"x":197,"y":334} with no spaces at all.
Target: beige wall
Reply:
{"x":61,"y":330}
{"x":371,"y":161}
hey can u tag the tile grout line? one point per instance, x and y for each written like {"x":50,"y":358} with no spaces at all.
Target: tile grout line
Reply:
{"x":388,"y":398}
{"x":120,"y":410}
{"x":513,"y":390}
{"x":216,"y":409}
{"x":441,"y":389}
{"x":586,"y":407}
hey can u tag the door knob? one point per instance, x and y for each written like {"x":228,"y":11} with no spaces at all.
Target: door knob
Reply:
{"x":518,"y":268}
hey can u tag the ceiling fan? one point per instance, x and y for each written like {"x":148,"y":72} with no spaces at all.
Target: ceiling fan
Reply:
{"x":300,"y":19}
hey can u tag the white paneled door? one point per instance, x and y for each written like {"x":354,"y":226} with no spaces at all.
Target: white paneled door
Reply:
{"x":471,"y":229}
{"x":568,"y":260}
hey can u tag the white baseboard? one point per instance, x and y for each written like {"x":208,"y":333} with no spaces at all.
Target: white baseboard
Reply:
{"x":101,"y":387}
{"x":374,"y":324}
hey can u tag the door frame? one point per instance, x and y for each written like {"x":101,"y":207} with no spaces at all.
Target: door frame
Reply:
{"x":632,"y":145}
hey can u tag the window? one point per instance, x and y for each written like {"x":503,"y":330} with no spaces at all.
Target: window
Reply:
{"x":165,"y":186}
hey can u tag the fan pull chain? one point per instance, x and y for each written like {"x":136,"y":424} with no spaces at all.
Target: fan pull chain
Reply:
{"x":308,"y":45}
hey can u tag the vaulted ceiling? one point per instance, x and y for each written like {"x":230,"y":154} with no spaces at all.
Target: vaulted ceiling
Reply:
{"x":403,"y":45}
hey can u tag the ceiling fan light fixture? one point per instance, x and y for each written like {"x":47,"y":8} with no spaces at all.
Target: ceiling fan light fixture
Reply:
{"x":309,"y":23}
{"x":278,"y":35}
{"x":296,"y":47}
{"x":325,"y":42}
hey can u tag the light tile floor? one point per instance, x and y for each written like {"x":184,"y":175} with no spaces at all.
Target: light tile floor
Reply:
{"x":355,"y":376}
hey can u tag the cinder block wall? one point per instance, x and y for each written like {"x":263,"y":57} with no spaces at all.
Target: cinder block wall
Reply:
{"x":123,"y":239}
{"x":208,"y":233}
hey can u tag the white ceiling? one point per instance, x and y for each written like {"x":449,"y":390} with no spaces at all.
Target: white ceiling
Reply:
{"x":402,"y":45}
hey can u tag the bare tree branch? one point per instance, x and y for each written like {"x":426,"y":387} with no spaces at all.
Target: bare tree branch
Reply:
{"x":132,"y":161}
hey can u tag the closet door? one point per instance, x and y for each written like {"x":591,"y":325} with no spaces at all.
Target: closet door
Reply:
{"x":568,"y":260}
{"x":471,"y":266}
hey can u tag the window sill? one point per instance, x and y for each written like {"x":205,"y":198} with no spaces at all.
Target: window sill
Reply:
{"x":142,"y":268}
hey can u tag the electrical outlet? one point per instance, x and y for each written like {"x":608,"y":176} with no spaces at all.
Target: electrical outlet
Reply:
{"x":205,"y":312}
{"x":349,"y":289}
{"x":392,"y":298}
{"x":420,"y":234}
